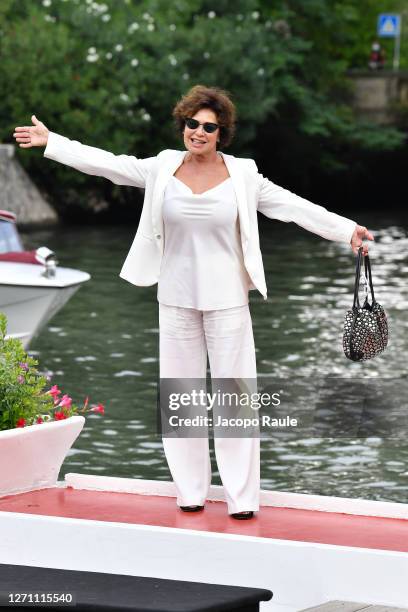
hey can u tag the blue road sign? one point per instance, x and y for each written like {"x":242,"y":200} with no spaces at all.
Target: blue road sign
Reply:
{"x":388,"y":25}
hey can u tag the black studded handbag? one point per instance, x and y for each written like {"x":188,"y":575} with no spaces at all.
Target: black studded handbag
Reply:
{"x":365,"y":327}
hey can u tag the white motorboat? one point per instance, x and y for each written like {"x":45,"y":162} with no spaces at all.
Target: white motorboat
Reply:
{"x":33,"y":288}
{"x":312,"y":552}
{"x":308,"y":550}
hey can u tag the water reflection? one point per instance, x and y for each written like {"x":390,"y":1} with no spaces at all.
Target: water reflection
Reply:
{"x":105,"y":344}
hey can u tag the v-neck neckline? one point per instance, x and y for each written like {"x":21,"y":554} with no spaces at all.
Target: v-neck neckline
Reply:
{"x":204,"y":192}
{"x":207,"y":190}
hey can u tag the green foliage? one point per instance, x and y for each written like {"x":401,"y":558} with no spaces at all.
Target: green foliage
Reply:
{"x":340,"y":38}
{"x":109,"y":73}
{"x":362,"y":31}
{"x":22,"y":387}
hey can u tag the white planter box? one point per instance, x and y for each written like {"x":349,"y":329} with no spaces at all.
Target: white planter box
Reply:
{"x":31,"y":457}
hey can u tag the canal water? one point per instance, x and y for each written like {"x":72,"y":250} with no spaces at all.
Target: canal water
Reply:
{"x":104,"y":344}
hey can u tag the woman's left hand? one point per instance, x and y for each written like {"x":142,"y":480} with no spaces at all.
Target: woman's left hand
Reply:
{"x":357,"y":238}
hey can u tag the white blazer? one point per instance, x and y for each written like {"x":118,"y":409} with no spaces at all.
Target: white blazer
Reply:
{"x":253,"y":191}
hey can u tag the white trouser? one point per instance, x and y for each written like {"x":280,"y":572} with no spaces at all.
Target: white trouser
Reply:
{"x":186,"y":335}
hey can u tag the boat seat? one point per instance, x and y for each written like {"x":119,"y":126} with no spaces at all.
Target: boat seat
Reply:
{"x":28,"y":257}
{"x":98,"y":591}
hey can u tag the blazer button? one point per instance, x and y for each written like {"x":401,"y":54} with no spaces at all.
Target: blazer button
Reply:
{"x":158,"y":236}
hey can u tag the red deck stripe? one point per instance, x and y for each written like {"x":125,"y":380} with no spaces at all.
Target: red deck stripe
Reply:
{"x":277,"y":523}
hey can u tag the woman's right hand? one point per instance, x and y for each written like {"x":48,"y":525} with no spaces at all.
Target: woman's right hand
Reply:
{"x":32,"y":136}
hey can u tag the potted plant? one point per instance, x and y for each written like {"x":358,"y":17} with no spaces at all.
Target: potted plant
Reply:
{"x":38,"y":425}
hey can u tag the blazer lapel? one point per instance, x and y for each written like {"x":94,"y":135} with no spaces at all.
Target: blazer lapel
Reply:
{"x":238,"y":181}
{"x":164,"y":174}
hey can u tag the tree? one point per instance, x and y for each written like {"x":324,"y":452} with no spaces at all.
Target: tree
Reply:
{"x":109,"y":74}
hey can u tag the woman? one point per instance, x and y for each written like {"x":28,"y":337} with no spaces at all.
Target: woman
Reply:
{"x":204,"y":203}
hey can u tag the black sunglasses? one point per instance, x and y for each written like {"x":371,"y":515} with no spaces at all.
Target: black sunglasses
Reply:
{"x":208,"y":127}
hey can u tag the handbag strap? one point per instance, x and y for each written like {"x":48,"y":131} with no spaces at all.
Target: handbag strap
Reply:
{"x":369,"y":280}
{"x":368,"y":277}
{"x":356,"y":301}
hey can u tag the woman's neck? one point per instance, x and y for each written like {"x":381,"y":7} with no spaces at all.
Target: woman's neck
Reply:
{"x":202,"y":160}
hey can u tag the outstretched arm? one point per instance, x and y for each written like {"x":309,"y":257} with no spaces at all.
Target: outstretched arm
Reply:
{"x":120,"y":169}
{"x":278,"y":203}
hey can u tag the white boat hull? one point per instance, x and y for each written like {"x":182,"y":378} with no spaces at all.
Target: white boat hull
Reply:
{"x":300,"y":573}
{"x":28,"y":309}
{"x":29,"y":299}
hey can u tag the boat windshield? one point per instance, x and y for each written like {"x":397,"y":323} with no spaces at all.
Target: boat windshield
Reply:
{"x":9,"y":238}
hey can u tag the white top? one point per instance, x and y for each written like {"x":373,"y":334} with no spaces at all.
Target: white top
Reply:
{"x":202,"y":265}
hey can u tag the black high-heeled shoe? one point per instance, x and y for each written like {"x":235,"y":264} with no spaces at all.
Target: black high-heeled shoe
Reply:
{"x":191,"y":508}
{"x":242,"y":516}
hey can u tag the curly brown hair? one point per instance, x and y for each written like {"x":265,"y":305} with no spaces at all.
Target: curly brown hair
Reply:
{"x":216,"y":99}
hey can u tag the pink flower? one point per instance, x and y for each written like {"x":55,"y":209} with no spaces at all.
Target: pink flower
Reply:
{"x":54,"y":391}
{"x":24,"y":366}
{"x":65,"y":402}
{"x":39,"y":420}
{"x":20,"y":423}
{"x":99,"y":408}
{"x":20,"y":379}
{"x":59,"y":416}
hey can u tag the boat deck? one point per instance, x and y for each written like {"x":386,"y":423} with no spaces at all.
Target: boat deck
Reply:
{"x":300,"y":525}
